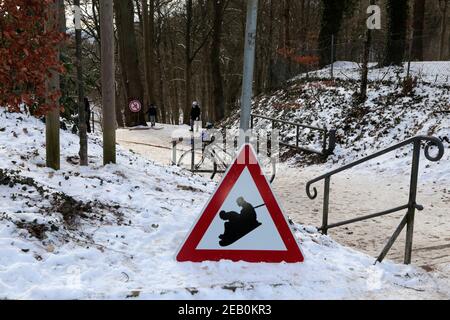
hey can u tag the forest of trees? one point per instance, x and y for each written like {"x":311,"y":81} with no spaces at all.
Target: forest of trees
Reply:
{"x":171,"y":52}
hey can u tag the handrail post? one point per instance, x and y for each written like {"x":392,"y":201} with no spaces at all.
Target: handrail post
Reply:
{"x":324,"y":146}
{"x":274,"y":169}
{"x":412,"y":201}
{"x":392,"y":239}
{"x":174,"y":152}
{"x":192,"y":153}
{"x":331,"y":141}
{"x":224,"y":139}
{"x":93,"y":121}
{"x":257,"y":143}
{"x":213,"y":152}
{"x":326,"y":205}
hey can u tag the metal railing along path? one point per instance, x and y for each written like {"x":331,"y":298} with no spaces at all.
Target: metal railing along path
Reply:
{"x":411,"y":206}
{"x":328,"y":142}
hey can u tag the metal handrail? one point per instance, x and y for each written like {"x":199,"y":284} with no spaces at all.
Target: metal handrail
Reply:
{"x":196,"y":168}
{"x":411,"y":206}
{"x":329,"y":136}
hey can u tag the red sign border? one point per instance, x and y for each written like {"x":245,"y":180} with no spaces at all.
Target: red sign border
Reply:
{"x":140,"y":104}
{"x":189,"y":253}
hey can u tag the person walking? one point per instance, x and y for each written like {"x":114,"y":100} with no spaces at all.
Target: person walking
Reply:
{"x":152,"y":113}
{"x":195,"y":115}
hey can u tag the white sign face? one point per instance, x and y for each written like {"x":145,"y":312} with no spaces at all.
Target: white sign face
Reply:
{"x":135,"y":106}
{"x":242,"y":221}
{"x":264,"y":238}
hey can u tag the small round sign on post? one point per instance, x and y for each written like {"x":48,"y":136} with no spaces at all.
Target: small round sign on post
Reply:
{"x":135,"y":106}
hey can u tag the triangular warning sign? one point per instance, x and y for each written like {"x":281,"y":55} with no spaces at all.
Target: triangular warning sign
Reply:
{"x":242,"y":221}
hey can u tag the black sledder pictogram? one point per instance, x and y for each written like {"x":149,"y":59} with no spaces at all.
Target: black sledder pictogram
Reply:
{"x":239,"y":225}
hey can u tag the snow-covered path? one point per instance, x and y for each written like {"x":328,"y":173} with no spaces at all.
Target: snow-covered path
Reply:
{"x":152,"y":144}
{"x":354,"y":193}
{"x":111,"y":232}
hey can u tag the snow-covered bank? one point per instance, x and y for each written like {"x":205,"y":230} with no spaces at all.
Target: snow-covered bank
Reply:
{"x":432,"y":72}
{"x":386,"y":118}
{"x":112,"y":232}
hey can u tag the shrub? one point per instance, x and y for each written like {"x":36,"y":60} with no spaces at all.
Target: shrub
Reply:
{"x":28,"y":55}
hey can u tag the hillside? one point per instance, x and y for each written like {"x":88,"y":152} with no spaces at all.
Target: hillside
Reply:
{"x":112,"y":232}
{"x":387,"y":117}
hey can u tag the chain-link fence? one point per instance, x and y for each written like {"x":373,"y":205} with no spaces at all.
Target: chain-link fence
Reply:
{"x":348,"y":55}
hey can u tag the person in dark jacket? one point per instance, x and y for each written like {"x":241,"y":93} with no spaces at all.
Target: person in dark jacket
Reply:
{"x":195,"y":114}
{"x":238,"y":225}
{"x":247,"y":214}
{"x":152,"y":113}
{"x":87,"y":110}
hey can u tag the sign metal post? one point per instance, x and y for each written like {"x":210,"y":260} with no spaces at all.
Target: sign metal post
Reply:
{"x":249,"y":66}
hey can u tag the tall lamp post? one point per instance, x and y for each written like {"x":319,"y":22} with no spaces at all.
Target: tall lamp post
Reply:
{"x":249,"y":66}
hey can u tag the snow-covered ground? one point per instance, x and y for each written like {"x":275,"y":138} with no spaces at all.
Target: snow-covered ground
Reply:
{"x":387,"y":117}
{"x":358,"y":192}
{"x":155,"y":144}
{"x":375,"y":186}
{"x":112,"y":232}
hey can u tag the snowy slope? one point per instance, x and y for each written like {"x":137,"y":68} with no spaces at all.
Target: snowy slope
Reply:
{"x":112,"y":232}
{"x":386,"y":118}
{"x":432,"y":72}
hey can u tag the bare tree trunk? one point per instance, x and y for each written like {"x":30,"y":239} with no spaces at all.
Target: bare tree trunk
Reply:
{"x":129,"y":60}
{"x":286,"y":35}
{"x":418,"y":25}
{"x":82,"y":126}
{"x":108,"y":85}
{"x":365,"y":64}
{"x":397,"y":27}
{"x":161,"y":73}
{"x":176,"y":106}
{"x":216,"y":43}
{"x":269,"y":75}
{"x":302,"y":24}
{"x":162,"y":99}
{"x":188,"y":63}
{"x":148,"y":13}
{"x":167,"y":66}
{"x":120,"y":101}
{"x":205,"y":73}
{"x":332,"y":16}
{"x":210,"y":86}
{"x":444,"y":7}
{"x":52,"y":136}
{"x":52,"y":119}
